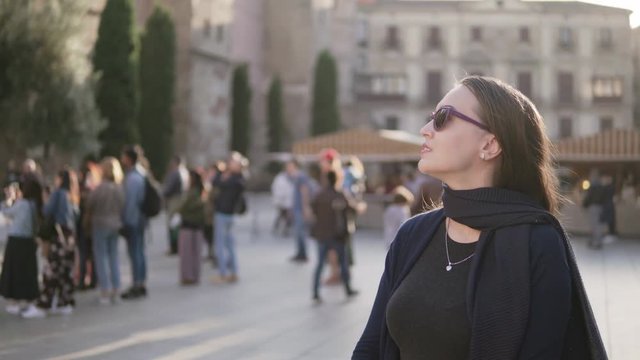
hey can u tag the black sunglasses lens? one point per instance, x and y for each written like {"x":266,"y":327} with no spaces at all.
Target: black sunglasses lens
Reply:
{"x":439,"y":118}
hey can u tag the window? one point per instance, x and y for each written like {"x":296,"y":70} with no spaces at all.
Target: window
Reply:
{"x":565,"y":87}
{"x":606,"y":123}
{"x":565,"y":40}
{"x":524,"y":83}
{"x":605,"y":38}
{"x":392,"y":42}
{"x":362,"y":33}
{"x":476,"y":34}
{"x":607,"y":89}
{"x":434,"y":40}
{"x":566,"y":127}
{"x":391,"y":123}
{"x":434,"y":87}
{"x":524,"y":35}
{"x":380,"y":85}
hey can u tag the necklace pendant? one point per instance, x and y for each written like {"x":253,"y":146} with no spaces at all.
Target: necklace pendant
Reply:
{"x":449,"y":267}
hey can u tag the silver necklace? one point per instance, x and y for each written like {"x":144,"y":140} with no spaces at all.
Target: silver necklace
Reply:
{"x":446,"y":246}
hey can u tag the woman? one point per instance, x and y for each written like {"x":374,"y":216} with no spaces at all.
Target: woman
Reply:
{"x":490,"y":275}
{"x":104,"y":209}
{"x":190,"y":235}
{"x":59,"y":250}
{"x":230,"y":201}
{"x":19,"y":279}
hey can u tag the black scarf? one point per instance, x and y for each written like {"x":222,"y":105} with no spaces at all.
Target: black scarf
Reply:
{"x":500,"y":308}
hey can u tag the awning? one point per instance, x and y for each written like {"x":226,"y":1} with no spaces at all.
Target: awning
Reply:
{"x":617,"y":145}
{"x":367,"y":144}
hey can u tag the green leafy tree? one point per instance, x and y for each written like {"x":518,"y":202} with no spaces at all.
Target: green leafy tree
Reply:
{"x":275,"y":117}
{"x":114,"y":59}
{"x":325,"y":115}
{"x":240,"y":110}
{"x":46,"y":98}
{"x":157,"y":80}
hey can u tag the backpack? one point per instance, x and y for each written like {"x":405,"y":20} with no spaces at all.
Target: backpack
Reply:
{"x":240,"y":207}
{"x":152,"y":201}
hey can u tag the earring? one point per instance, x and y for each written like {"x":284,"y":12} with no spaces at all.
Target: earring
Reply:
{"x":482,"y":156}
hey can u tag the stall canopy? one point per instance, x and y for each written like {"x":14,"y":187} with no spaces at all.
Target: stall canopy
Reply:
{"x":367,"y":144}
{"x":617,"y":145}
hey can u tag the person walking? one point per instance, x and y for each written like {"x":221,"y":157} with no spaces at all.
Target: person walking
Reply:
{"x":330,"y":208}
{"x":175,"y":184}
{"x":134,"y":222}
{"x":229,"y":202}
{"x":104,"y":208}
{"x":594,"y":202}
{"x":491,"y":274}
{"x":59,"y":249}
{"x":282,"y":192}
{"x":192,"y":221}
{"x":609,"y":209}
{"x":19,"y":278}
{"x":301,"y":209}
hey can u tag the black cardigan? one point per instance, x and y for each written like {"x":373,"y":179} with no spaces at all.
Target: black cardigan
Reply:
{"x":410,"y":242}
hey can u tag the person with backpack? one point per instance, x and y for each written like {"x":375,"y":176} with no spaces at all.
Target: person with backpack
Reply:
{"x":191,"y":236}
{"x":230,"y":202}
{"x":134,"y":221}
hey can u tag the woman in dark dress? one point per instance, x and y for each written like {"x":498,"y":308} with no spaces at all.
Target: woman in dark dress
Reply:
{"x":490,"y":274}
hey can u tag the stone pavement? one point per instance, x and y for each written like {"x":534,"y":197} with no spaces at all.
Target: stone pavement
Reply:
{"x":268,"y":314}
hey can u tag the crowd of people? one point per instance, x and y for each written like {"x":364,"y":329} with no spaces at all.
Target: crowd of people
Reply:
{"x":76,"y":225}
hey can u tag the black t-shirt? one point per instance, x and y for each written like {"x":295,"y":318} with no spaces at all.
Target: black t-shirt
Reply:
{"x":426,"y":315}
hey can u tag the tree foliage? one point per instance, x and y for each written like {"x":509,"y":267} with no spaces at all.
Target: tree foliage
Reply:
{"x":115,"y":61}
{"x":46,"y":98}
{"x":240,"y":110}
{"x":325,"y":115}
{"x":275,"y":117}
{"x":157,"y":81}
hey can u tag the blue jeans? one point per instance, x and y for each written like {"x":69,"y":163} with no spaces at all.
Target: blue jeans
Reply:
{"x":323,"y":248}
{"x":225,"y":244}
{"x":135,"y":246}
{"x":105,"y":255}
{"x":300,"y":229}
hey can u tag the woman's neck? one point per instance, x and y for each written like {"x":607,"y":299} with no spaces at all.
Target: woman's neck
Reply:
{"x":461,"y":233}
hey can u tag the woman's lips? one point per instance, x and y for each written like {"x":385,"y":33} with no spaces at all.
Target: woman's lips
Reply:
{"x":425,"y":149}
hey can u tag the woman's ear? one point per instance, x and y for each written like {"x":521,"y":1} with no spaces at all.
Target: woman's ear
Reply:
{"x":491,"y":148}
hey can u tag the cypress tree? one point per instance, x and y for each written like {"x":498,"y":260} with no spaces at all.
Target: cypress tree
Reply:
{"x":275,"y":117}
{"x":114,"y":60}
{"x":325,"y":116}
{"x":157,"y":80}
{"x":240,"y":110}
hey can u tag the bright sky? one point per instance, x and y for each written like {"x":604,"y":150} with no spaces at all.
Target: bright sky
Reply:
{"x":633,"y":5}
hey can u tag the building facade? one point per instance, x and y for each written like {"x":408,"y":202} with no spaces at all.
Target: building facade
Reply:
{"x":573,"y":59}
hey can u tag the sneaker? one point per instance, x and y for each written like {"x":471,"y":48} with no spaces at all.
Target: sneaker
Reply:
{"x":33,"y":312}
{"x":134,"y":293}
{"x":352,"y":293}
{"x":62,"y":310}
{"x":104,"y":300}
{"x":13,"y":309}
{"x":232,"y":278}
{"x":218,"y":279}
{"x":317,"y":299}
{"x":299,"y":259}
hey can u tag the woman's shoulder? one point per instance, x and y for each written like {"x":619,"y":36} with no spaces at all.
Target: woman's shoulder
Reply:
{"x":419,"y":224}
{"x":545,"y":239}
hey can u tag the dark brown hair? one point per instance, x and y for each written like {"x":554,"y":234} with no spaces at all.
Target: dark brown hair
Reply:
{"x":527,"y":153}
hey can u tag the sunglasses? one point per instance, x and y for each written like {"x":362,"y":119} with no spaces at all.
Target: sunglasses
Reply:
{"x":442,"y":115}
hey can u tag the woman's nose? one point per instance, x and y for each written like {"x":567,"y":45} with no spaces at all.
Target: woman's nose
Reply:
{"x":427,"y":129}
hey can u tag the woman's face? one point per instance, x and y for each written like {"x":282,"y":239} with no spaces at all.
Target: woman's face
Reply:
{"x":455,"y":149}
{"x":57,"y":182}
